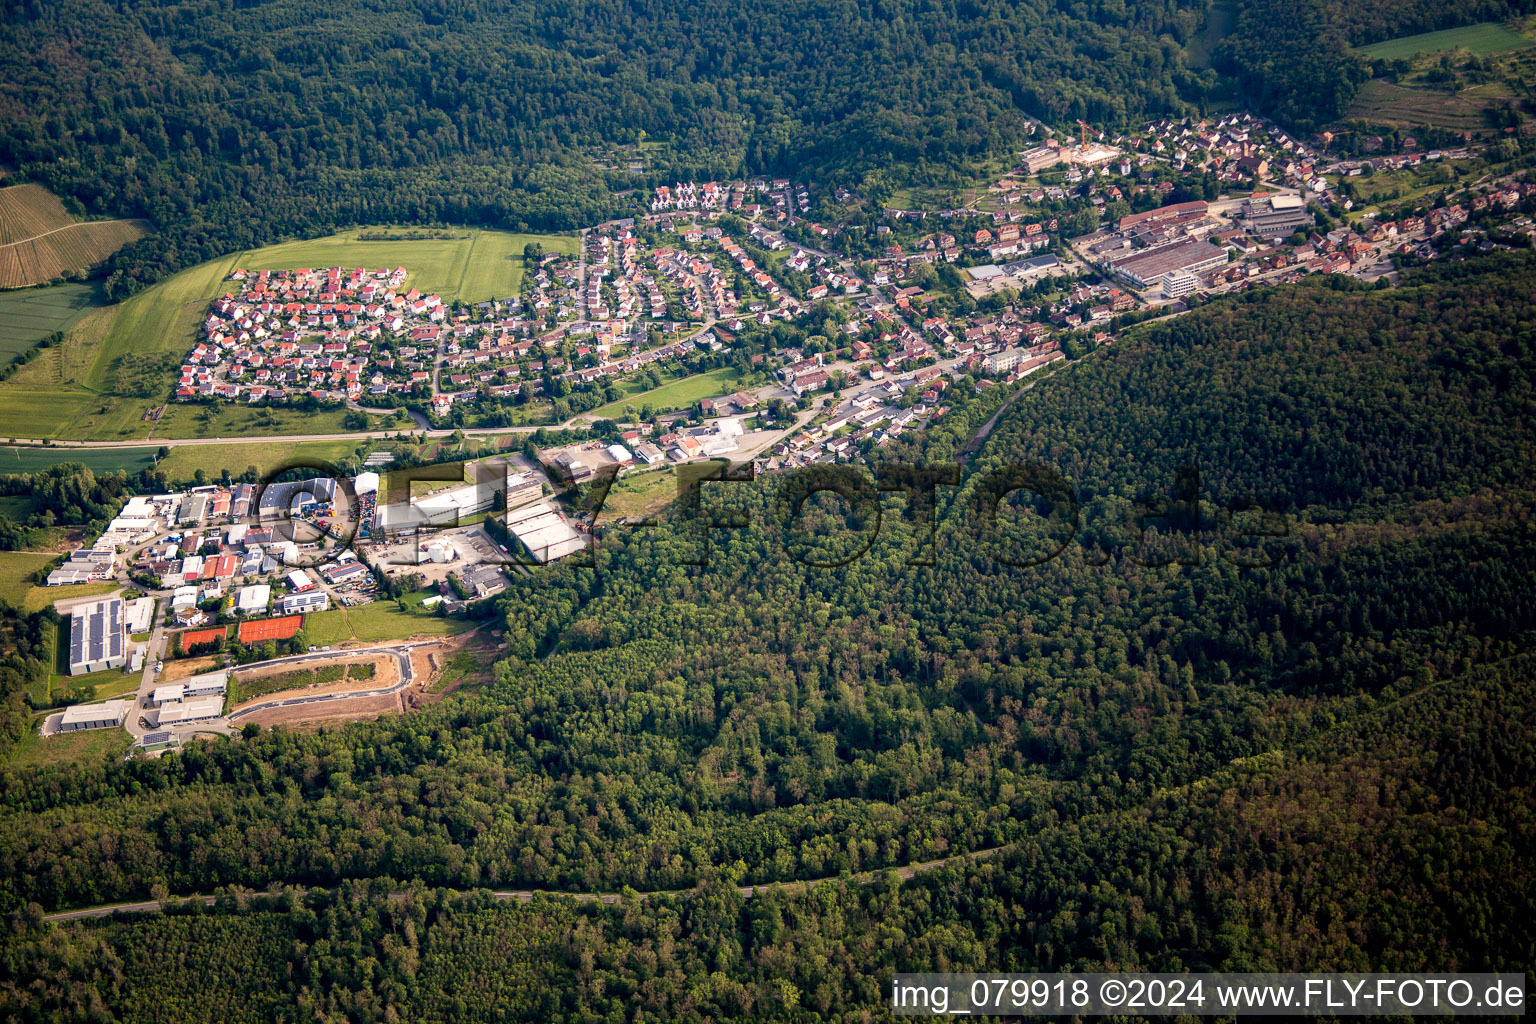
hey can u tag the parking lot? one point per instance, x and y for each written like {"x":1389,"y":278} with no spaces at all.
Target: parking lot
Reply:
{"x":473,"y":546}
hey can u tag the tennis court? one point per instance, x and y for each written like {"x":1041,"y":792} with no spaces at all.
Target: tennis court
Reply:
{"x":270,"y":629}
{"x":192,"y":637}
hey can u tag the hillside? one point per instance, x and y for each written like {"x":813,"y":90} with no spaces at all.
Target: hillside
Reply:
{"x":41,"y":242}
{"x":1168,"y":756}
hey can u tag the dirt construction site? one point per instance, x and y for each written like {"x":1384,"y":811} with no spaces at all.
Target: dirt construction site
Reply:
{"x":426,"y":666}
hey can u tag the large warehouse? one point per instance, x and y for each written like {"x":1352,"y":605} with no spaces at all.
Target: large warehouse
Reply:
{"x":98,"y":637}
{"x":544,"y":532}
{"x":1194,"y":256}
{"x":106,"y":715}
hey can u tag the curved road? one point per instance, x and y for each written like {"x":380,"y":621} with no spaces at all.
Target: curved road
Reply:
{"x":401,"y":654}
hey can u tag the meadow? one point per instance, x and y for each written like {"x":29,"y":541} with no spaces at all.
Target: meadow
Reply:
{"x":374,"y":623}
{"x":185,"y":460}
{"x":1482,"y":39}
{"x":75,"y":747}
{"x":639,"y":494}
{"x":31,"y":314}
{"x":679,"y":394}
{"x":100,"y":460}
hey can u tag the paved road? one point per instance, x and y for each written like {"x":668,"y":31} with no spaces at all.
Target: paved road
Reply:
{"x":401,"y":654}
{"x":904,"y":872}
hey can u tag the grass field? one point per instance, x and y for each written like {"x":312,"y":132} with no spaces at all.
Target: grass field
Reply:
{"x":88,"y":745}
{"x":15,"y":568}
{"x":31,"y":314}
{"x":677,"y":395}
{"x":372,"y":623}
{"x":636,"y":495}
{"x":39,"y":598}
{"x":69,"y":391}
{"x":101,"y":460}
{"x":1485,"y":38}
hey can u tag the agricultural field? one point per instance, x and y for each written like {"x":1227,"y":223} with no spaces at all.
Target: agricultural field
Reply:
{"x":1486,"y":38}
{"x":30,"y":210}
{"x":41,"y":242}
{"x":679,"y":394}
{"x":31,"y":314}
{"x":1386,"y":103}
{"x":100,"y":460}
{"x":117,"y":362}
{"x":185,"y":460}
{"x":374,"y":623}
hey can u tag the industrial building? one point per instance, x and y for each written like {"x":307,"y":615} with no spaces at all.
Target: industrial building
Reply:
{"x":316,"y":601}
{"x":281,"y":497}
{"x":482,"y":580}
{"x":448,"y":507}
{"x":98,"y":637}
{"x":1275,"y":215}
{"x":1175,"y":285}
{"x":108,"y":714}
{"x":252,"y":600}
{"x":194,"y":710}
{"x":1193,"y":256}
{"x":544,"y":532}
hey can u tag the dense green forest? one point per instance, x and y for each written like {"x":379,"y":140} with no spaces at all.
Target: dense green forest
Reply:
{"x":232,"y":124}
{"x":1168,"y":733}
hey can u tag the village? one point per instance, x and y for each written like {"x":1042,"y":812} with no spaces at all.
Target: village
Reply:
{"x":839,"y":341}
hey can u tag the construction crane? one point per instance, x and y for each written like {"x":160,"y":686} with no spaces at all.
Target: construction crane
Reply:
{"x":1082,"y":129}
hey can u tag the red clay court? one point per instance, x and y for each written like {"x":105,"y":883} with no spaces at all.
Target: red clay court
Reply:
{"x":270,"y":629}
{"x":193,"y":637}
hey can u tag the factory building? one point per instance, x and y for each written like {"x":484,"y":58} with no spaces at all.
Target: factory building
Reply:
{"x":98,"y":637}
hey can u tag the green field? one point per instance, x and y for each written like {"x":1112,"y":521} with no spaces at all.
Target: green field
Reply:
{"x":639,"y":494}
{"x":15,"y":568}
{"x":1485,"y":38}
{"x":677,"y":395}
{"x":187,"y":459}
{"x":372,"y":623}
{"x":31,"y":314}
{"x":100,"y":460}
{"x":69,"y":391}
{"x":89,"y":745}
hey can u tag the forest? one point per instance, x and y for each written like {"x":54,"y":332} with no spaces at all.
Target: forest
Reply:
{"x":1162,"y":743}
